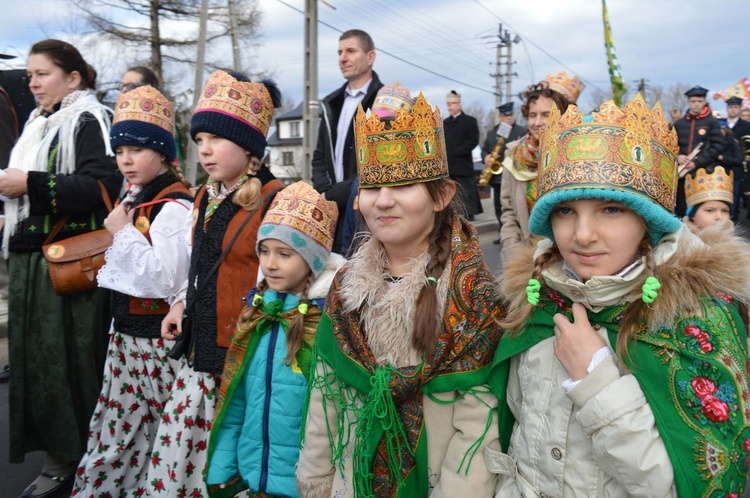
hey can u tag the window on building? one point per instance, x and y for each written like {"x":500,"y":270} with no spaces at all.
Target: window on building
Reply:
{"x":287,"y":158}
{"x":294,"y":129}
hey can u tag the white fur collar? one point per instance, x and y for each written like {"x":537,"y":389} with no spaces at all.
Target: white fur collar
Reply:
{"x":387,"y":310}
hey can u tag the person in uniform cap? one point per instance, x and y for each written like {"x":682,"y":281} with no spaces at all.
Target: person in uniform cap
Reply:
{"x":697,"y":127}
{"x":505,"y":115}
{"x":461,"y":136}
{"x":740,"y":128}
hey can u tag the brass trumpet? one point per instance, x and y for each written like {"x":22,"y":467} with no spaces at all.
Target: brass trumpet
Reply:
{"x":495,"y":167}
{"x":745,"y":142}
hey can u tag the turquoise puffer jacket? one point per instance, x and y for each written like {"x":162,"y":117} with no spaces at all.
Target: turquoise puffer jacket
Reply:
{"x":259,"y":434}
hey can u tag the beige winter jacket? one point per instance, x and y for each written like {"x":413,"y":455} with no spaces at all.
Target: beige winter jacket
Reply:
{"x":451,"y":428}
{"x":600,"y":439}
{"x":514,"y":218}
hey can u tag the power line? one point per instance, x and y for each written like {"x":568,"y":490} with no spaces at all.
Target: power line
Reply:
{"x":539,"y":47}
{"x":396,"y":26}
{"x":424,"y":43}
{"x":397,"y":57}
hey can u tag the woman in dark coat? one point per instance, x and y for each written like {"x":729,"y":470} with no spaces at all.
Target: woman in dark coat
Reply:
{"x":57,"y":344}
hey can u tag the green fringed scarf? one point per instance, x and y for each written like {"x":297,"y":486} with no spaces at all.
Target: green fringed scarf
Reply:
{"x":694,"y":376}
{"x":381,"y":407}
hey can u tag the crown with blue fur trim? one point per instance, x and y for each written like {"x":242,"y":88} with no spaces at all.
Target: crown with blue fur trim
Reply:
{"x":626,"y":155}
{"x":408,"y":149}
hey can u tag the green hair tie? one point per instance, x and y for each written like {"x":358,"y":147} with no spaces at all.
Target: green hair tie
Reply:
{"x":257,"y":300}
{"x":532,"y":291}
{"x":302,"y":308}
{"x":650,"y":289}
{"x":432,"y":279}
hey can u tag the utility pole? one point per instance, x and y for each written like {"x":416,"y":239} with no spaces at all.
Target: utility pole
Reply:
{"x":498,"y":76}
{"x":233,"y":36}
{"x":191,"y":168}
{"x":504,"y":56}
{"x":642,"y":87}
{"x":310,"y":109}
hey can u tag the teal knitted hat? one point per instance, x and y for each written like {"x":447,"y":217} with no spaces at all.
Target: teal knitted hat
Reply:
{"x":624,"y":155}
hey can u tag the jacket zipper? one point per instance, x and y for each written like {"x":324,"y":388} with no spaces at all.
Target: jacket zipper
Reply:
{"x":266,"y":408}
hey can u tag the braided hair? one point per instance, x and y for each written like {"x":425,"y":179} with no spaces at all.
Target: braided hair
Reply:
{"x":439,"y":249}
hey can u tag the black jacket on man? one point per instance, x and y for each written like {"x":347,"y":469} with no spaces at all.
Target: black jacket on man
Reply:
{"x":692,"y":130}
{"x":461,"y":136}
{"x":323,"y":174}
{"x":742,"y":129}
{"x":705,"y":129}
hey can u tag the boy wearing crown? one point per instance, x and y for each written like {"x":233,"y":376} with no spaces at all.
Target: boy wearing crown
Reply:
{"x":709,"y":196}
{"x":622,"y":371}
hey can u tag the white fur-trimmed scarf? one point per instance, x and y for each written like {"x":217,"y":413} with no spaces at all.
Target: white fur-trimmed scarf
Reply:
{"x":31,"y":152}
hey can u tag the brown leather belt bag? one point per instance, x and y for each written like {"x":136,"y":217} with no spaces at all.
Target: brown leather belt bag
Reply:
{"x":75,"y":261}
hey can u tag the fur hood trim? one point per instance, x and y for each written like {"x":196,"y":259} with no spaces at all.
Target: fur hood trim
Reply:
{"x":706,"y":262}
{"x":320,"y":286}
{"x":387,"y":310}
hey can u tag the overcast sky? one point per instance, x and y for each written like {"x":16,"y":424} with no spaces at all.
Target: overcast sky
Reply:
{"x":664,"y":41}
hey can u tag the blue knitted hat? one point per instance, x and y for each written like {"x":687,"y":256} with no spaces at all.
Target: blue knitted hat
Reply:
{"x":144,"y":118}
{"x":625,"y":155}
{"x":234,"y":108}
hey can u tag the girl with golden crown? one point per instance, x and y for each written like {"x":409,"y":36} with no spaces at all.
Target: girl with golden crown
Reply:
{"x":399,"y":404}
{"x":623,"y":370}
{"x":254,"y":442}
{"x":518,"y":190}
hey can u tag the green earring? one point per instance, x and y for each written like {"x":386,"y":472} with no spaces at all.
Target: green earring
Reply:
{"x":532,"y":291}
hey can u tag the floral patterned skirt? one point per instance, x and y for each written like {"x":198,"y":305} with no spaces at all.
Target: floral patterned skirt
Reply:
{"x":180,"y":452}
{"x":138,"y":379}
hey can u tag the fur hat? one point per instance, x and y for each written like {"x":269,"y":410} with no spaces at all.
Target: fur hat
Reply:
{"x":234,"y":108}
{"x":625,"y":155}
{"x":144,"y":118}
{"x":303,"y":220}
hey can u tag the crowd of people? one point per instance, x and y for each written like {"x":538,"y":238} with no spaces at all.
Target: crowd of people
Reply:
{"x":229,"y":349}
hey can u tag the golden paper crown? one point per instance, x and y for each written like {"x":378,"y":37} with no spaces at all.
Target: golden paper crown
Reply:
{"x":716,"y":186}
{"x":146,"y":104}
{"x":561,"y":83}
{"x":412,"y":150}
{"x":242,"y":100}
{"x":631,"y":150}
